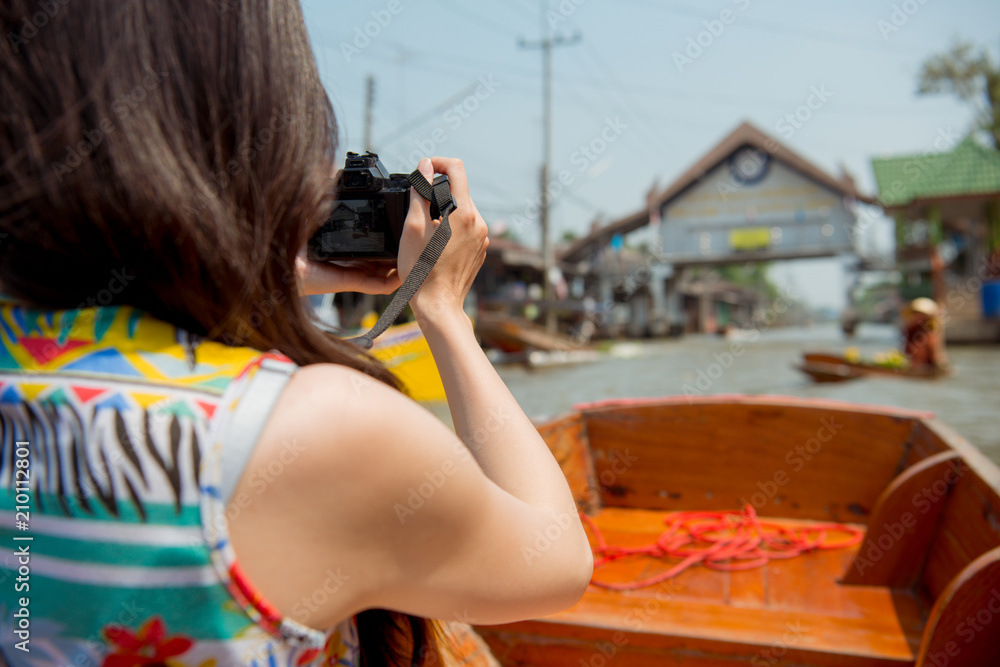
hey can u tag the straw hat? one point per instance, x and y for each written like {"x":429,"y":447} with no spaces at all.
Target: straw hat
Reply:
{"x":924,"y":306}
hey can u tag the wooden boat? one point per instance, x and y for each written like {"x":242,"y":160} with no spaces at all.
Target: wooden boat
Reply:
{"x":823,"y":367}
{"x":922,"y":587}
{"x":514,"y":334}
{"x":404,"y":350}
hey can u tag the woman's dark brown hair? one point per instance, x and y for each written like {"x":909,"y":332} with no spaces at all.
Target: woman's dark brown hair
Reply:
{"x":174,"y":156}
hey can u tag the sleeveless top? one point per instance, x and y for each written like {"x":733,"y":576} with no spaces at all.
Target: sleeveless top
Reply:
{"x":122,"y":439}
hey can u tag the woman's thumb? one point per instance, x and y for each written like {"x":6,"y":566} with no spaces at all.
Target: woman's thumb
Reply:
{"x":426,"y":168}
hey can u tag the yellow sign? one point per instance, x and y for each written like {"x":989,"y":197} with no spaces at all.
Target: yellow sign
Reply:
{"x":749,"y":238}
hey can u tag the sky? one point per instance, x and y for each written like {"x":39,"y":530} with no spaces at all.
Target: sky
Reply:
{"x":668,"y":80}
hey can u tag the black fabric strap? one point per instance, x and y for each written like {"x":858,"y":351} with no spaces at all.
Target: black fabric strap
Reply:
{"x":442,"y":204}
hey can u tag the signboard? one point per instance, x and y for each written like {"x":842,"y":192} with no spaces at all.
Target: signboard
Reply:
{"x":749,"y":238}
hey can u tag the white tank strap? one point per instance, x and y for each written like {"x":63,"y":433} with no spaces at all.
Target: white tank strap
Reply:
{"x":248,"y":420}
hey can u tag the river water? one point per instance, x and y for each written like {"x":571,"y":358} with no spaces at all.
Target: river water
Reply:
{"x":968,"y":400}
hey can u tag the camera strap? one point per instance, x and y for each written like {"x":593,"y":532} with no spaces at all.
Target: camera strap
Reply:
{"x":442,"y":204}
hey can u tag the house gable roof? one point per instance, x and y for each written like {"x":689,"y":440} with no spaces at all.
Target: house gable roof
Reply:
{"x":745,"y":134}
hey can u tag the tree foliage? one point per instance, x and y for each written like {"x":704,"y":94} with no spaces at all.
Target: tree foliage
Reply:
{"x":971,"y":75}
{"x":750,"y":274}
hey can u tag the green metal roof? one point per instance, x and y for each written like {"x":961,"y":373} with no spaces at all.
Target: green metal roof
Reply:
{"x":968,"y":169}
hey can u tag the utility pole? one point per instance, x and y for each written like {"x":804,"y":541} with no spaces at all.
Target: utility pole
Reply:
{"x":366,"y":303}
{"x":546,"y":47}
{"x":369,"y":103}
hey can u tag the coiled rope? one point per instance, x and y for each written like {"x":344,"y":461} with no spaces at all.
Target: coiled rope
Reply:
{"x":726,"y":540}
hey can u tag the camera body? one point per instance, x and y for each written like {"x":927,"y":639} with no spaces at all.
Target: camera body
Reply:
{"x":368,"y":213}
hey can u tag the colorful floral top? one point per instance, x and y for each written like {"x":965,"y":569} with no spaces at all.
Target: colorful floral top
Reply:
{"x":113,"y":541}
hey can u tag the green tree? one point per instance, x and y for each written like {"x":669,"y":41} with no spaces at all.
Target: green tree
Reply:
{"x":750,"y":274}
{"x":971,"y":75}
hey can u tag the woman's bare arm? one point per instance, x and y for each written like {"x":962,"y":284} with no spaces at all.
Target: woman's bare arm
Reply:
{"x":399,"y":510}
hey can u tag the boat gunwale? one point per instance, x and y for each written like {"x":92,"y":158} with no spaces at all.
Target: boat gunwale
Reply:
{"x":770,"y":400}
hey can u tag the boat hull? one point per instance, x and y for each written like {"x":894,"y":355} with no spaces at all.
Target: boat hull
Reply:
{"x":929,"y":504}
{"x":832,"y":368}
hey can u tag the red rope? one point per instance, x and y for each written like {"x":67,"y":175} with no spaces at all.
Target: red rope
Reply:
{"x":728,"y":540}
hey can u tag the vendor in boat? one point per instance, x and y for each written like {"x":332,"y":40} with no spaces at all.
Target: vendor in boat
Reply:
{"x":923,"y":334}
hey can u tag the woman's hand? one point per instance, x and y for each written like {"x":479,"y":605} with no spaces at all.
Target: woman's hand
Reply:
{"x":444,"y":289}
{"x":365,"y":277}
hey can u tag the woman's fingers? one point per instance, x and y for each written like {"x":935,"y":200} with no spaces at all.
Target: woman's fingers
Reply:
{"x":418,"y":226}
{"x":420,"y":208}
{"x":365,"y":277}
{"x":458,"y":182}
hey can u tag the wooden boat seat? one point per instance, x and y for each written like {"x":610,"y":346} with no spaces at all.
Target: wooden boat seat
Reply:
{"x":787,"y":611}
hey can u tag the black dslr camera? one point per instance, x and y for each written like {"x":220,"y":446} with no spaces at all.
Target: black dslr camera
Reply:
{"x":367,"y":218}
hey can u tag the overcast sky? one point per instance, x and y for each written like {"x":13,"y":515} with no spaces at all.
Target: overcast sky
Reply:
{"x":671,"y":79}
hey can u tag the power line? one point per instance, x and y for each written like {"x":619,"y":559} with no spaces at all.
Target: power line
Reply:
{"x":422,"y":118}
{"x":446,"y":63}
{"x":785,"y":29}
{"x":478,"y":19}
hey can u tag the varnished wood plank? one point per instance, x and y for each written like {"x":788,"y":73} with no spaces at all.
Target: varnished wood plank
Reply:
{"x":701,"y":635}
{"x":567,"y":440}
{"x":969,"y":527}
{"x":904,"y":523}
{"x":795,"y":462}
{"x":964,"y":625}
{"x":748,"y":589}
{"x":924,"y":443}
{"x":970,"y":522}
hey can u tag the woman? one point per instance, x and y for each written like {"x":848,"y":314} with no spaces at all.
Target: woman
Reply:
{"x":923,"y":338}
{"x":207,"y":478}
